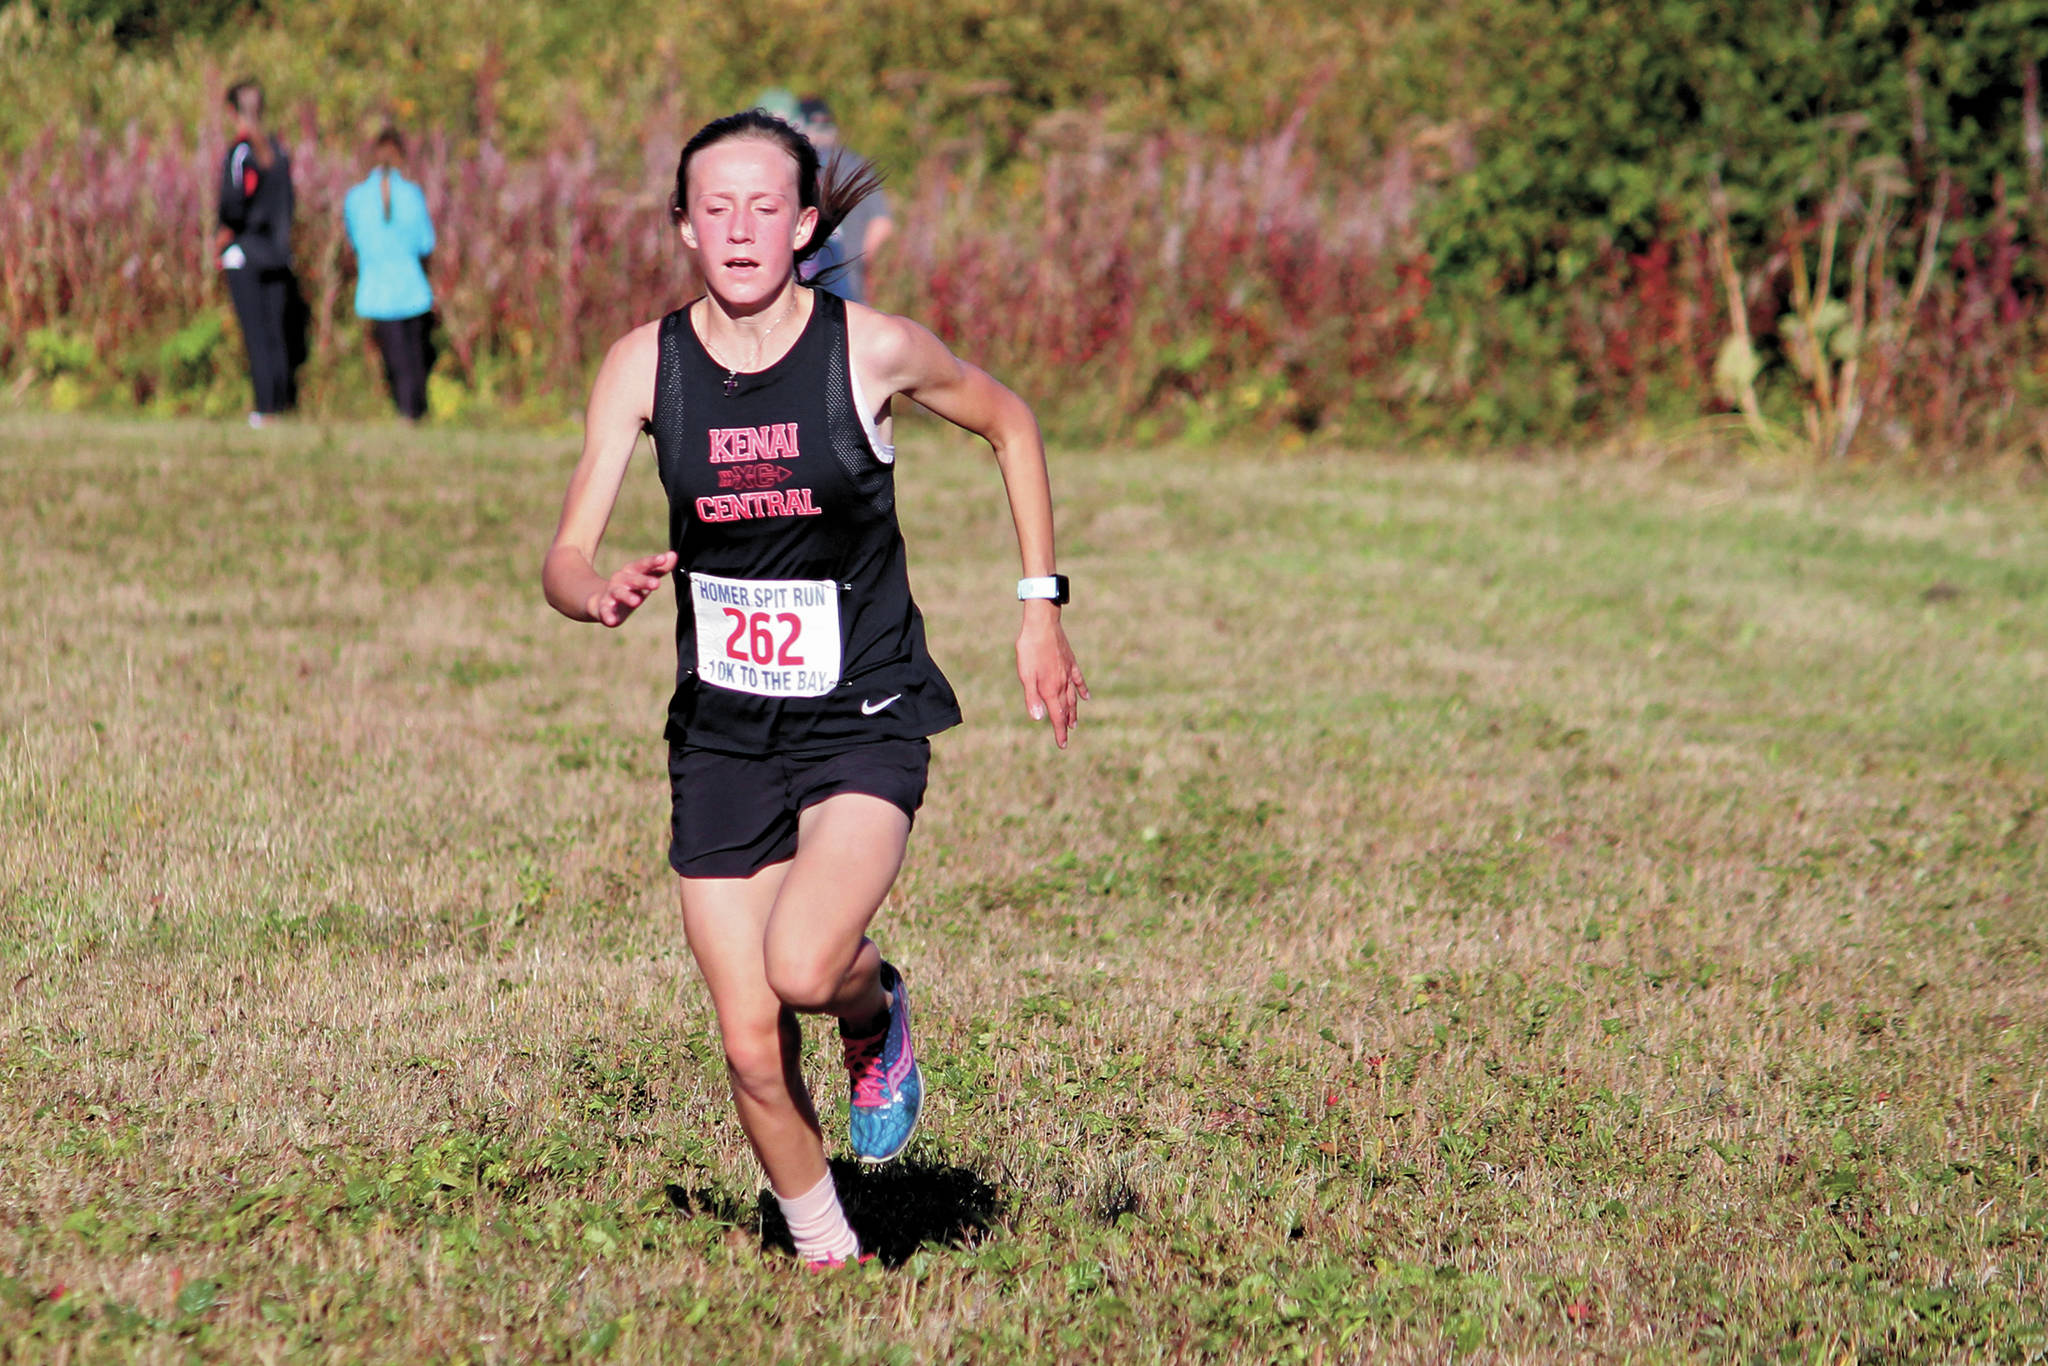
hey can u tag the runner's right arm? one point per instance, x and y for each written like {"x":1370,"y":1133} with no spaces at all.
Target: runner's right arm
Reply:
{"x":621,"y":401}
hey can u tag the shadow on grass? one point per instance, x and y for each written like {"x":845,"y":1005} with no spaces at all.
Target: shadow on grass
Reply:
{"x":896,"y":1209}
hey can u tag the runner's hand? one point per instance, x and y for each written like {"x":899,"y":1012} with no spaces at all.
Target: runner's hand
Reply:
{"x":628,"y":587}
{"x":1053,"y":685}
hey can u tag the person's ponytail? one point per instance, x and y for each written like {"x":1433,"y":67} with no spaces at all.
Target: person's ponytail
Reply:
{"x":389,"y":149}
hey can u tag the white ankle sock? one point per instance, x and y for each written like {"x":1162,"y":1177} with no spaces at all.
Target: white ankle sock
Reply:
{"x":818,"y":1225}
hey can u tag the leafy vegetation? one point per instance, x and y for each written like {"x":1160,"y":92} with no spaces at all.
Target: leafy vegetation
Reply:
{"x":1605,"y":123}
{"x":524,"y":74}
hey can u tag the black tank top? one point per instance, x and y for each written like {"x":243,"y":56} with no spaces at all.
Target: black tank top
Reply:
{"x":795,"y":629}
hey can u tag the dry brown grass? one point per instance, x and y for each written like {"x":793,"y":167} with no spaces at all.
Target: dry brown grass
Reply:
{"x":1530,"y":912}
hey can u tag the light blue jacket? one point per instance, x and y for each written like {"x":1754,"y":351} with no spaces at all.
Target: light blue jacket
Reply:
{"x":390,"y":281}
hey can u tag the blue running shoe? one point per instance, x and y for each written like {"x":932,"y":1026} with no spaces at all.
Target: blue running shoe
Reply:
{"x":888,"y":1088}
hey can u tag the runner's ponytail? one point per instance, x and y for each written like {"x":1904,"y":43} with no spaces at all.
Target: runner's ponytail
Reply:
{"x":840,"y":190}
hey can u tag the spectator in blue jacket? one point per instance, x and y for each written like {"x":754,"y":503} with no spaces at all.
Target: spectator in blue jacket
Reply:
{"x":393,"y":235}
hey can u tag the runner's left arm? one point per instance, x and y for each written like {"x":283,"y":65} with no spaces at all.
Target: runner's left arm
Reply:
{"x":912,"y":361}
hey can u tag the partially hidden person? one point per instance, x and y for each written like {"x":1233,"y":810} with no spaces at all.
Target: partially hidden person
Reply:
{"x":842,"y":266}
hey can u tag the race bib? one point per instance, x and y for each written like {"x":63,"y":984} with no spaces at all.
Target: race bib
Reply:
{"x":768,"y":637}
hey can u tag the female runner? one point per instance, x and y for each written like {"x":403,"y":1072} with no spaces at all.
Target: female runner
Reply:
{"x":798,"y":750}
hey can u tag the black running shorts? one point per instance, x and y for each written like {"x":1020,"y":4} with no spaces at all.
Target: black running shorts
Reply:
{"x":733,"y":815}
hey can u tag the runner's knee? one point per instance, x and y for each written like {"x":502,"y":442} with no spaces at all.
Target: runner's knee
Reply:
{"x":755,"y":1064}
{"x":805,"y":980}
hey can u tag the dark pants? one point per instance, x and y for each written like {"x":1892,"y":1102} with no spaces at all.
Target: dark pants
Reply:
{"x":262,"y":298}
{"x":406,"y":362}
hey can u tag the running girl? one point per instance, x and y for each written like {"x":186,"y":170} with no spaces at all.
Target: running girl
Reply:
{"x":805,"y":695}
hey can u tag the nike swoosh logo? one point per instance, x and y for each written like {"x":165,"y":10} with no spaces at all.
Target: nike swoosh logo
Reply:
{"x":870,"y":708}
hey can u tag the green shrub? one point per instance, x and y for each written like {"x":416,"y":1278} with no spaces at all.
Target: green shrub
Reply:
{"x":54,"y":351}
{"x":1599,"y":124}
{"x":187,"y":359}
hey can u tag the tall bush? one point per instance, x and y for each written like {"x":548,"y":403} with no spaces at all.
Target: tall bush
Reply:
{"x":1596,"y":122}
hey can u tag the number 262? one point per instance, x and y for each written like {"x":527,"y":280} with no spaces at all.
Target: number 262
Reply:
{"x":753,"y":637}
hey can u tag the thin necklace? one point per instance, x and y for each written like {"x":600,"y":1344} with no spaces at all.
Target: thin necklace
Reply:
{"x":732,"y":376}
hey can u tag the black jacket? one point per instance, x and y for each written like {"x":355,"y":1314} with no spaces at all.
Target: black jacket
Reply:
{"x":256,"y":205}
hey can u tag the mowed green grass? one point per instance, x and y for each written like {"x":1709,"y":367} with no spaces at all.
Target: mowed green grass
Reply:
{"x":1516,"y":912}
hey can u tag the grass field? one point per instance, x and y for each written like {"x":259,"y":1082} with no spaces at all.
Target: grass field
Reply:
{"x":1506,"y":912}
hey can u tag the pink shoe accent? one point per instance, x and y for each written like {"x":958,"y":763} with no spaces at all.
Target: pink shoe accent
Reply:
{"x":838,"y":1263}
{"x":871,"y":1081}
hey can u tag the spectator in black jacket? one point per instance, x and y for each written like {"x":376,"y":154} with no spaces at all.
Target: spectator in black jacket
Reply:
{"x":254,"y":243}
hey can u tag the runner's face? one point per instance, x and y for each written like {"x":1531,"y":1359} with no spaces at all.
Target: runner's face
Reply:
{"x":745,"y":221}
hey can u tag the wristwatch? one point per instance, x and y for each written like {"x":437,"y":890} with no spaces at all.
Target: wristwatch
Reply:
{"x":1052,"y":587}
